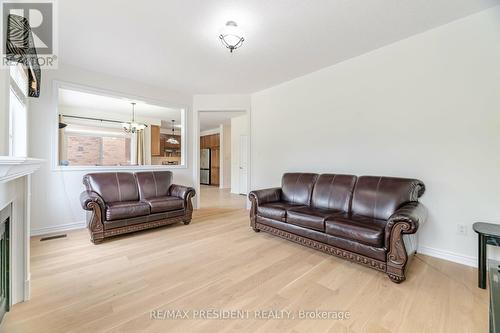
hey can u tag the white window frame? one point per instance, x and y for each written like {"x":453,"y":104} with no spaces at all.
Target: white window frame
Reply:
{"x":16,"y":90}
{"x":76,"y":87}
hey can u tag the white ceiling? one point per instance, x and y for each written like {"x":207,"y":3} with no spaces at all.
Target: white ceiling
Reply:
{"x":174,"y":43}
{"x":120,"y":106}
{"x":212,"y":119}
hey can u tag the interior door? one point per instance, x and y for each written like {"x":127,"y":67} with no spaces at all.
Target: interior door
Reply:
{"x":243,"y":164}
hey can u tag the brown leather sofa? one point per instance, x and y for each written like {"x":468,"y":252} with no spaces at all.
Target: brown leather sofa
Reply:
{"x":122,"y":202}
{"x":368,"y":220}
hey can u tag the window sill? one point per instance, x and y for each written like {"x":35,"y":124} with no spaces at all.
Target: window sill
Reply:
{"x":117,"y":168}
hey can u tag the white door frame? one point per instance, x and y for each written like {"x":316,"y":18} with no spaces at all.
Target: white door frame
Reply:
{"x":222,"y":151}
{"x":245,"y":143}
{"x":196,"y":149}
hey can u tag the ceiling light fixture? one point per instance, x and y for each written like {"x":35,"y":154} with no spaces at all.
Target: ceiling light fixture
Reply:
{"x":231,"y":36}
{"x":172,"y":140}
{"x":132,"y":126}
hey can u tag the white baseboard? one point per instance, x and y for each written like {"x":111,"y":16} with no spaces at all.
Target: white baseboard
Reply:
{"x":27,"y":290}
{"x":447,"y":255}
{"x":57,"y":228}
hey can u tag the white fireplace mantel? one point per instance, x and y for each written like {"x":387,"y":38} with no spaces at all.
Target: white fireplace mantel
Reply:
{"x":15,"y":167}
{"x":18,"y":195}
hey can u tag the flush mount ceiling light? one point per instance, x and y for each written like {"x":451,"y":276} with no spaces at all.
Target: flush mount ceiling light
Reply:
{"x":172,"y":140}
{"x":133,"y":126}
{"x":231,"y":36}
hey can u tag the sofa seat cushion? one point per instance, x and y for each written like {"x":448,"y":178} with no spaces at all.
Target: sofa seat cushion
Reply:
{"x":142,"y":219}
{"x":358,"y":228}
{"x":309,"y":217}
{"x":165,"y":204}
{"x":341,"y":243}
{"x":126,"y":209}
{"x":275,"y":210}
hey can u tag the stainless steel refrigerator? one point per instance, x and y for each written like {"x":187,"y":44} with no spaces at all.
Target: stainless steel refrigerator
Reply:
{"x":205,"y":166}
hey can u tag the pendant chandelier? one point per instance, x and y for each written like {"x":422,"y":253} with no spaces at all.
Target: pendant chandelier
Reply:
{"x":133,"y":126}
{"x":172,"y":140}
{"x":231,"y":36}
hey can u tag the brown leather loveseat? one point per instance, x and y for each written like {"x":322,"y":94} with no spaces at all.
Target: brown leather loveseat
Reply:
{"x":369,"y":220}
{"x":122,"y":202}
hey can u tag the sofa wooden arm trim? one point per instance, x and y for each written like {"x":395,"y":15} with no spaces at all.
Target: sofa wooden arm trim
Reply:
{"x":406,"y":220}
{"x":95,"y":222}
{"x":260,"y":197}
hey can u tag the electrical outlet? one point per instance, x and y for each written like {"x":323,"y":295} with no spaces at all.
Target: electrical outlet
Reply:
{"x":462,"y":229}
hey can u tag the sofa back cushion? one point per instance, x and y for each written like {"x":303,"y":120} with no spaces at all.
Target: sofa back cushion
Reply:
{"x":153,"y":184}
{"x":333,"y":192}
{"x":112,"y":186}
{"x":297,"y":187}
{"x":379,"y":197}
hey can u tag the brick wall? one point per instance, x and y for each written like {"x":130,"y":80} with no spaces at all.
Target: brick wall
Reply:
{"x":86,"y":150}
{"x":83,"y":150}
{"x":115,"y":151}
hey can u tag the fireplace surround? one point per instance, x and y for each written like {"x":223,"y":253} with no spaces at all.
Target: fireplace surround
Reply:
{"x":15,"y":203}
{"x":5,"y":267}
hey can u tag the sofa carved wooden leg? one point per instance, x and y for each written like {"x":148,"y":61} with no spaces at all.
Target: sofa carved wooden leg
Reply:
{"x":396,"y":278}
{"x":189,"y":208}
{"x":95,"y":225}
{"x":96,"y":241}
{"x":397,"y":257}
{"x":253,"y":212}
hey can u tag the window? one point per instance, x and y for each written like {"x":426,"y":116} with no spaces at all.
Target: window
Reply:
{"x":18,"y":112}
{"x":99,"y":130}
{"x":92,"y":143}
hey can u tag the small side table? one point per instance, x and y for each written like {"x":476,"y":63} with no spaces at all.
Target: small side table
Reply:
{"x":488,"y":233}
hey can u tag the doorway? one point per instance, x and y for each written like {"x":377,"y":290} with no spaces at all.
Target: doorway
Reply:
{"x":210,"y":159}
{"x":222,"y":156}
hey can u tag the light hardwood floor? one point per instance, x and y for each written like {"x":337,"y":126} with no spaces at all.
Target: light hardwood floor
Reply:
{"x":218,"y":262}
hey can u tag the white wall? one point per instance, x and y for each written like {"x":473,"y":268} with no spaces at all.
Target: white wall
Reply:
{"x":56,"y":193}
{"x":228,"y":102}
{"x":4,"y":112}
{"x":239,"y":127}
{"x":426,"y":107}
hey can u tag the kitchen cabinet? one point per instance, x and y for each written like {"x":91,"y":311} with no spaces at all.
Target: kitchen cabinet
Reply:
{"x":155,"y":141}
{"x":214,"y":166}
{"x":210,"y":141}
